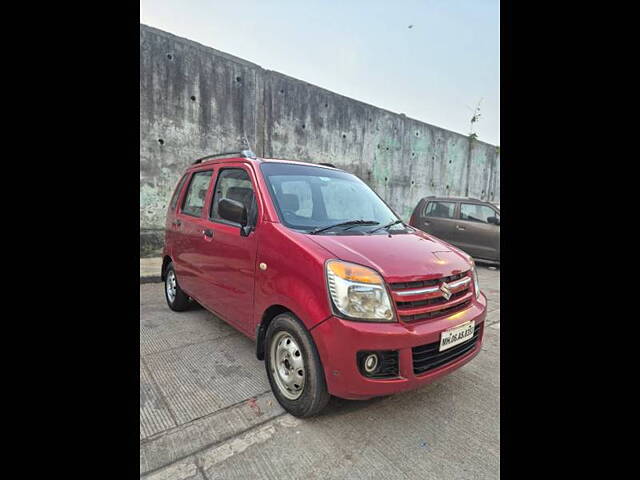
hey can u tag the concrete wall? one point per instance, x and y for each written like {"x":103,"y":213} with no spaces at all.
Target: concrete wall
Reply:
{"x":195,"y":100}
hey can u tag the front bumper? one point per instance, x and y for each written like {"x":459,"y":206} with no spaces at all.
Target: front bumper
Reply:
{"x":339,"y":340}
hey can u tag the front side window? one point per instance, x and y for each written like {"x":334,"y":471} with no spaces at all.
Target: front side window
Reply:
{"x":440,"y":209}
{"x":196,"y":193}
{"x":234,"y":184}
{"x":309,"y":198}
{"x":476,"y":213}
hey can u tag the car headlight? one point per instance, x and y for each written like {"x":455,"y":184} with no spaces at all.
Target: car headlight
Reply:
{"x":476,"y":283}
{"x":358,"y":292}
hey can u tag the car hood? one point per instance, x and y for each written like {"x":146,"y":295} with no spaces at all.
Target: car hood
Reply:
{"x":401,"y":257}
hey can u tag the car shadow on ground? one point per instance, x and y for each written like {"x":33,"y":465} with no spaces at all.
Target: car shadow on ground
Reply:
{"x":338,"y":407}
{"x":193,"y":305}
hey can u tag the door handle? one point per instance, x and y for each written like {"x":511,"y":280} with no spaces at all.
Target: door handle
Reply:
{"x":177,"y":223}
{"x":207,"y":233}
{"x":459,"y":227}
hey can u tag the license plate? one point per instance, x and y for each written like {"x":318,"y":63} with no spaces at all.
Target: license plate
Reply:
{"x":456,"y":335}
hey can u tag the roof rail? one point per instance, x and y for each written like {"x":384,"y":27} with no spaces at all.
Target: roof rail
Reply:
{"x":241,"y":153}
{"x":458,"y":198}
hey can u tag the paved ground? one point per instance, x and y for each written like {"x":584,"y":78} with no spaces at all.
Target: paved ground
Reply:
{"x":207,"y":412}
{"x":150,"y":269}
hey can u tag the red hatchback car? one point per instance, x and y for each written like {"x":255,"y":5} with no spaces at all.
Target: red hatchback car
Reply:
{"x":341,"y":297}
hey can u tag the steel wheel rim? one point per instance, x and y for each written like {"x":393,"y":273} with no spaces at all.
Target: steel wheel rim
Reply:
{"x":287,"y":365}
{"x":171,"y":286}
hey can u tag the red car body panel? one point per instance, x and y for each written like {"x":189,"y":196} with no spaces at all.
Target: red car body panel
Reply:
{"x":339,"y":340}
{"x":398,"y":258}
{"x":222,"y":273}
{"x":294,"y":277}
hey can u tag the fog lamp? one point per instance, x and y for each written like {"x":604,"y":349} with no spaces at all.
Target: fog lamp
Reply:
{"x":371,"y":363}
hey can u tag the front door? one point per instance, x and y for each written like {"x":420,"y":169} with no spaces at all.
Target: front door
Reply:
{"x":228,"y":257}
{"x":439,"y":219}
{"x":475,"y":235}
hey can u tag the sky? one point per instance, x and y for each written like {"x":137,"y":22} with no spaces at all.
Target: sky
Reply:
{"x":437,"y":71}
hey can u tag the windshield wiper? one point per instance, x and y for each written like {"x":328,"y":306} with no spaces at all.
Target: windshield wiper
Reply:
{"x":387,"y":226}
{"x":349,"y":223}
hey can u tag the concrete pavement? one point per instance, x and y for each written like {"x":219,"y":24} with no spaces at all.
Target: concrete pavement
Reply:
{"x":207,"y":412}
{"x":150,"y":269}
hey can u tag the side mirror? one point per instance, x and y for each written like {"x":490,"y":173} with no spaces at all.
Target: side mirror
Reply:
{"x":232,"y":211}
{"x":493,"y":220}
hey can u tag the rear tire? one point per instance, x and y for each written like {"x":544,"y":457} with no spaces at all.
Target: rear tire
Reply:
{"x":177,"y":300}
{"x":294,"y":368}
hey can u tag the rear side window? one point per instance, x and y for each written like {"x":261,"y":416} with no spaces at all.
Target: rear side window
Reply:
{"x":196,"y":193}
{"x":176,"y":194}
{"x":476,"y":213}
{"x":440,"y":209}
{"x":234,"y":184}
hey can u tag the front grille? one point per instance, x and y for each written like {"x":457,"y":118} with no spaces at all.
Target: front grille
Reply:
{"x":427,"y":283}
{"x":427,"y":357}
{"x":437,"y":313}
{"x":431,"y":301}
{"x":431,"y":306}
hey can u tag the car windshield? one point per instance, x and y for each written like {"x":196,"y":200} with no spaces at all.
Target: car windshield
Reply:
{"x":312,"y":198}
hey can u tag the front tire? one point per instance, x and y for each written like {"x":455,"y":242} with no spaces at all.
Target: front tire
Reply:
{"x":294,"y":368}
{"x":177,"y":300}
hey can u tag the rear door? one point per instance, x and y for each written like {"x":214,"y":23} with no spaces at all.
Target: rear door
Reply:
{"x":475,"y":235}
{"x":438,"y":218}
{"x":172,"y":225}
{"x":188,"y":232}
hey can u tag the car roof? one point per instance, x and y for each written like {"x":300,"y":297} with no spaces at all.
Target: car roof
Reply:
{"x":297,"y":162}
{"x":210,"y":160}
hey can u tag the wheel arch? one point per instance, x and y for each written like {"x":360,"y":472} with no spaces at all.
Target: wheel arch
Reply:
{"x":261,"y":330}
{"x":165,"y":262}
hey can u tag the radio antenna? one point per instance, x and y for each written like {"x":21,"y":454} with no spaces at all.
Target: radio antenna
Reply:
{"x":249,"y":151}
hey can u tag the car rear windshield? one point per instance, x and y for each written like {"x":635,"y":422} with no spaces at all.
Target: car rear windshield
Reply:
{"x":309,"y":198}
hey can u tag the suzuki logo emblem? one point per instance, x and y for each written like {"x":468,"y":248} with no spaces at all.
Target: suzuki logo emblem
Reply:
{"x":446,"y":292}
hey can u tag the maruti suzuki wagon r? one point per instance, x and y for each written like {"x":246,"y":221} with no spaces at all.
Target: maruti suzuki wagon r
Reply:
{"x":341,"y":297}
{"x":470,"y":224}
